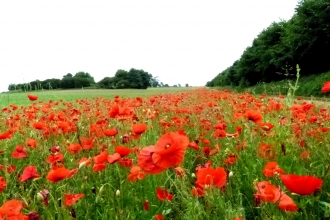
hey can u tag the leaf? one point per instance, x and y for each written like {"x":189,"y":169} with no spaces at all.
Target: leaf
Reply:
{"x":166,"y":212}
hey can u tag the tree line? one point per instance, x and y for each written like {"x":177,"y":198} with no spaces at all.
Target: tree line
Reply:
{"x":273,"y":55}
{"x":133,"y":79}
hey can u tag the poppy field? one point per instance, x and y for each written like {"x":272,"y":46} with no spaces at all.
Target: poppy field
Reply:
{"x":190,"y":154}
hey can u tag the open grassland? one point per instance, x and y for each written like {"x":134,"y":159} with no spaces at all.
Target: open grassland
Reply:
{"x":19,"y":98}
{"x":178,"y":153}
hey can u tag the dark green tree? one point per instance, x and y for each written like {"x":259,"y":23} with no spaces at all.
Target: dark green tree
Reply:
{"x":85,"y":75}
{"x":67,"y":83}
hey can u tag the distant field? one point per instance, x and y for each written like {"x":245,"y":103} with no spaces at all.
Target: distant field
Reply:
{"x":71,"y":95}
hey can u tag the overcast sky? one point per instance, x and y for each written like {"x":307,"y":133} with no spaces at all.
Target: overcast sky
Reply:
{"x":180,"y":41}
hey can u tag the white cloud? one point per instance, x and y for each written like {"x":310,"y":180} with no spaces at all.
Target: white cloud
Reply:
{"x":179,"y":41}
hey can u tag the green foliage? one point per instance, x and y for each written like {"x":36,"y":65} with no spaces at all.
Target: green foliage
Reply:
{"x":11,"y":87}
{"x":308,"y":86}
{"x":51,"y":83}
{"x":85,"y":76}
{"x":304,"y":39}
{"x":154,"y":82}
{"x":134,"y":79}
{"x":67,"y":83}
{"x":107,"y":83}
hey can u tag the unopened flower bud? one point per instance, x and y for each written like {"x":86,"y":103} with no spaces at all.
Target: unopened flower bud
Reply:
{"x":118,"y":192}
{"x":82,"y":164}
{"x":101,"y":189}
{"x":40,"y":197}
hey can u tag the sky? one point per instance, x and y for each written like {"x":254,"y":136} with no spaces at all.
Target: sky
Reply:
{"x":178,"y":41}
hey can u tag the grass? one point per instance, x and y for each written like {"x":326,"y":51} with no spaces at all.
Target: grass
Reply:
{"x":309,"y":87}
{"x":19,"y":98}
{"x":298,"y":142}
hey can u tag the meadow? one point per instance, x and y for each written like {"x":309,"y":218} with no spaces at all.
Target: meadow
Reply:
{"x":163,"y":153}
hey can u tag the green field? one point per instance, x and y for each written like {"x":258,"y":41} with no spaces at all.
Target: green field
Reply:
{"x":71,"y":95}
{"x":174,"y":153}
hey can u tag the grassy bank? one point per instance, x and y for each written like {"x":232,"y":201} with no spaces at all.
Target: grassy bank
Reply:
{"x":309,"y":87}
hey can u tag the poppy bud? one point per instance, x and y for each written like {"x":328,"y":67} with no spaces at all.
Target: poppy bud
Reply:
{"x":43,"y":196}
{"x":101,"y":189}
{"x":33,"y":216}
{"x":146,"y":205}
{"x":125,"y":138}
{"x":81,"y":165}
{"x":230,"y":174}
{"x":40,"y":197}
{"x":118,"y":192}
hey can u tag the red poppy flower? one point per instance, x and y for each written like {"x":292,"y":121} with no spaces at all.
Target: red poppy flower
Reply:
{"x":99,"y":166}
{"x":159,"y":217}
{"x":101,"y":158}
{"x":220,"y":126}
{"x":270,"y":193}
{"x":113,"y":158}
{"x":197,"y":191}
{"x":138,"y":129}
{"x":231,"y":159}
{"x":254,"y":116}
{"x":110,"y":132}
{"x":136,"y":173}
{"x":271,"y":168}
{"x":126,"y":162}
{"x":32,"y":97}
{"x":11,"y":208}
{"x":87,"y":143}
{"x":326,"y":87}
{"x":5,"y":135}
{"x":305,"y":155}
{"x":114,"y":111}
{"x":209,"y":176}
{"x":145,"y":161}
{"x":29,"y":172}
{"x":39,"y":125}
{"x":10,"y":168}
{"x":266,"y":126}
{"x":287,"y":204}
{"x":123,"y":151}
{"x":219,"y":133}
{"x":193,"y":145}
{"x":302,"y":185}
{"x":163,"y":194}
{"x":31,"y":142}
{"x":3,"y":183}
{"x":72,"y":199}
{"x":266,"y":151}
{"x":60,"y":174}
{"x":74,"y":148}
{"x":55,"y":158}
{"x":170,"y":149}
{"x":19,"y":152}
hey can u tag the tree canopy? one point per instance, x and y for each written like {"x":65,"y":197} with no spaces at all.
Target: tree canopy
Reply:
{"x":303,"y":40}
{"x":133,"y":79}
